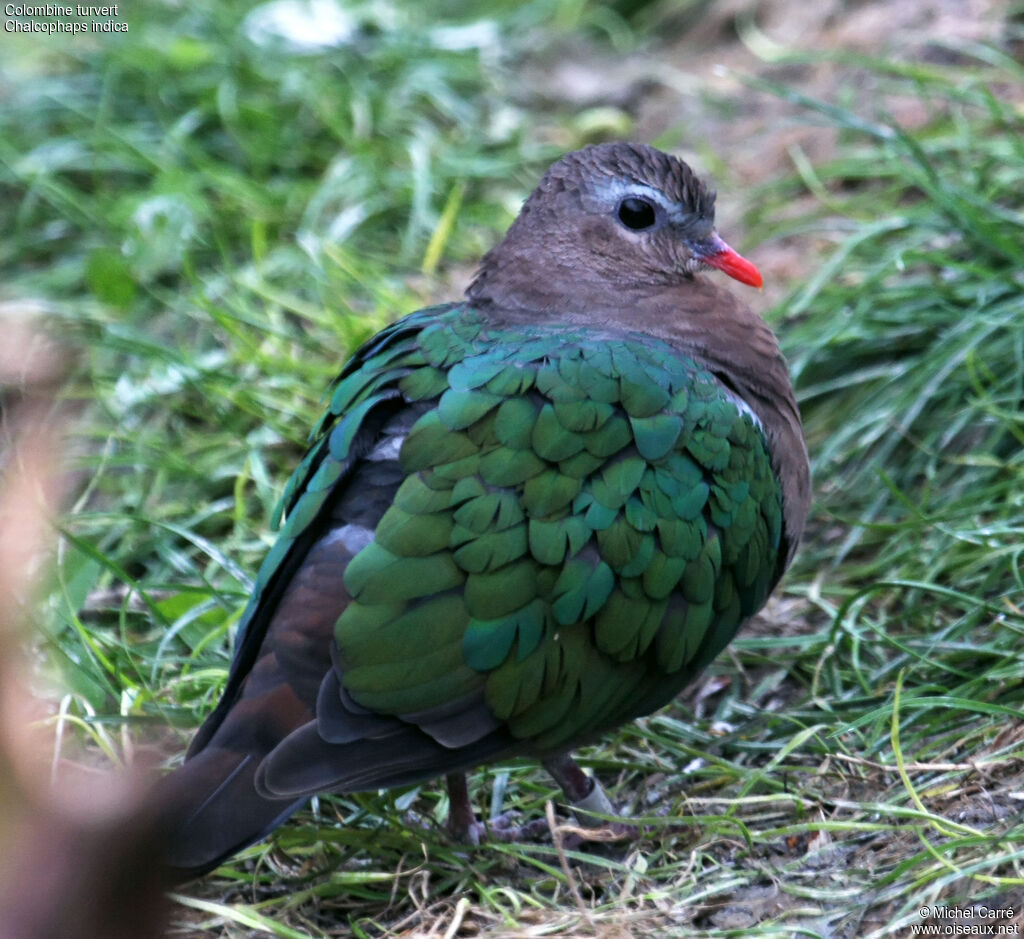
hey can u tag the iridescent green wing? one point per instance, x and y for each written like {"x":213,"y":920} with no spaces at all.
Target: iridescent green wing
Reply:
{"x":364,"y":396}
{"x":585,"y":522}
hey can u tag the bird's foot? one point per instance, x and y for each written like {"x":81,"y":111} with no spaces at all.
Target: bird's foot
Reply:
{"x":465,"y":828}
{"x":589,"y":804}
{"x":583,"y":793}
{"x":501,"y":828}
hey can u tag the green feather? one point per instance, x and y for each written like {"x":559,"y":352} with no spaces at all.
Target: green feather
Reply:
{"x":430,"y":442}
{"x":481,"y":431}
{"x":682,"y":539}
{"x":326,"y":476}
{"x":510,"y":511}
{"x":640,"y":397}
{"x":599,"y":517}
{"x":609,"y":438}
{"x":492,"y":551}
{"x":682,"y":630}
{"x":377,"y":634}
{"x":599,"y":386}
{"x":274,"y":557}
{"x":360,"y":384}
{"x":477,"y":514}
{"x":709,"y":451}
{"x":720,"y":508}
{"x":415,"y":496}
{"x":546,"y":713}
{"x":459,"y":409}
{"x":411,"y":535}
{"x":443,"y":346}
{"x":617,"y":624}
{"x":550,"y":440}
{"x":698,"y":580}
{"x":515,"y":685}
{"x":475,"y":371}
{"x":487,"y":643}
{"x":549,"y":492}
{"x":623,"y":476}
{"x":493,"y":595}
{"x":690,"y":502}
{"x":680,"y":401}
{"x":303,"y":512}
{"x":552,"y":540}
{"x":582,"y":416}
{"x":423,"y":383}
{"x":580,"y":466}
{"x":606,"y":692}
{"x":727,"y":603}
{"x":581,"y":590}
{"x":620,"y":543}
{"x":340,"y":438}
{"x":299,"y":479}
{"x":458,"y":469}
{"x":655,"y":436}
{"x":640,"y":516}
{"x":469,"y":487}
{"x":505,"y":467}
{"x":638,"y":563}
{"x":402,"y":687}
{"x":432,"y":481}
{"x":529,"y":627}
{"x":553,"y":385}
{"x":376,"y":575}
{"x":654,"y":499}
{"x":662,"y":575}
{"x":513,"y":425}
{"x":511,"y":380}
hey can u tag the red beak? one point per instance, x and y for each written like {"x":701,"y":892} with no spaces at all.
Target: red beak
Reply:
{"x":718,"y":254}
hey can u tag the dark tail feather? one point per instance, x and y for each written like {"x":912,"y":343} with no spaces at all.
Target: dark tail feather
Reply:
{"x":212,"y":810}
{"x":212,"y":807}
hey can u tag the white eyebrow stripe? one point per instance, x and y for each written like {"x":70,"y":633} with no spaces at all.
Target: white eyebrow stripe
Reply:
{"x":619,"y":189}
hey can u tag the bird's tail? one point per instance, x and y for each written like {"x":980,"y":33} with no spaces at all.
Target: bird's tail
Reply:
{"x":213,"y":805}
{"x":211,"y":810}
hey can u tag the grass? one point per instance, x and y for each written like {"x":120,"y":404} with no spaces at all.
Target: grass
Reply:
{"x":215,"y":224}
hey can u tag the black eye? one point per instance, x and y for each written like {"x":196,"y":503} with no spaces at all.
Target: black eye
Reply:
{"x":637,"y":214}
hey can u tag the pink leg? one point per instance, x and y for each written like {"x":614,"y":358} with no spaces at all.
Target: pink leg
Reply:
{"x":586,"y":797}
{"x":583,"y":793}
{"x":466,"y":829}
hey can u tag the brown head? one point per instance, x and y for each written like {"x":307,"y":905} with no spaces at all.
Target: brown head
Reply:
{"x":617,"y":236}
{"x":612,"y":215}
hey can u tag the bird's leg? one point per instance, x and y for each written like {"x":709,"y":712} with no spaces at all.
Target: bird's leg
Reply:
{"x":582,"y":792}
{"x":462,"y":821}
{"x":586,"y":797}
{"x":466,"y":829}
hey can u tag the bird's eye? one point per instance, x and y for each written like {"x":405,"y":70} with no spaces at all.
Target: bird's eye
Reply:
{"x":637,"y":214}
